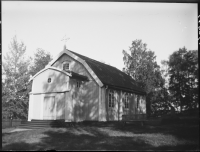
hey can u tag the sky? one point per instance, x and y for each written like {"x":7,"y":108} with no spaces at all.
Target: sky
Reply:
{"x":100,"y":30}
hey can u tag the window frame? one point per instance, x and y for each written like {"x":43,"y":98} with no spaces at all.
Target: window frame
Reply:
{"x":126,"y":102}
{"x":78,"y":84}
{"x":111,"y":99}
{"x":63,"y":65}
{"x":49,"y":79}
{"x":138,"y":101}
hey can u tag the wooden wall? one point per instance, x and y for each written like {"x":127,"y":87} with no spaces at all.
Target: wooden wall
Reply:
{"x":58,"y":82}
{"x":89,"y":102}
{"x":115,"y":114}
{"x":84,"y":100}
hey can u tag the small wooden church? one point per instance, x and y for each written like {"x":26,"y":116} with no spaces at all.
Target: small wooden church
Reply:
{"x":76,"y":88}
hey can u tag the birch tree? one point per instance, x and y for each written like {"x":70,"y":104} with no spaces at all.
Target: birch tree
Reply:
{"x":15,"y":67}
{"x":140,"y":63}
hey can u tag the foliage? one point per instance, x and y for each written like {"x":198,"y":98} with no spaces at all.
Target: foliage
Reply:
{"x":160,"y":102}
{"x":15,"y":69}
{"x":140,"y":64}
{"x":40,"y":60}
{"x":183,"y":83}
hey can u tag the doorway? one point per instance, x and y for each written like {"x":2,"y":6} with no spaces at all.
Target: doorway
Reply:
{"x":49,"y":108}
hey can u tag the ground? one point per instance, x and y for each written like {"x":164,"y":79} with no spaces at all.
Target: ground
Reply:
{"x":113,"y":137}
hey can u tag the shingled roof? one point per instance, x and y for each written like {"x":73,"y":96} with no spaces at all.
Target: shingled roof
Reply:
{"x":111,"y":76}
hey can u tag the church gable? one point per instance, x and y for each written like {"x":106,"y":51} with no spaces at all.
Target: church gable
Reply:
{"x":50,"y":80}
{"x":69,"y":56}
{"x":83,"y":92}
{"x":65,"y":62}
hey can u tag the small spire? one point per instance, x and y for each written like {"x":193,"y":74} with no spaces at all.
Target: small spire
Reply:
{"x":65,"y":48}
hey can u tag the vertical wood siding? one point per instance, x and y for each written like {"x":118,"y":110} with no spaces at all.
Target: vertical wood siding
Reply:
{"x":119,"y":108}
{"x":102,"y":108}
{"x":36,"y":112}
{"x":60,"y":105}
{"x":85,"y":100}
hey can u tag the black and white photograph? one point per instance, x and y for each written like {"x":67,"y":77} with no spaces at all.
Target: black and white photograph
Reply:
{"x":96,"y":75}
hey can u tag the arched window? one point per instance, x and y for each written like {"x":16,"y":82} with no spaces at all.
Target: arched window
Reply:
{"x":111,"y":99}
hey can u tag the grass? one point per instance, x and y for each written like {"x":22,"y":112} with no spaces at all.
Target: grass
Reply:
{"x":7,"y":130}
{"x":117,"y":137}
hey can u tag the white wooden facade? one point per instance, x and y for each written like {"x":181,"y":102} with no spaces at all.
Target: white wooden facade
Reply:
{"x":57,"y":94}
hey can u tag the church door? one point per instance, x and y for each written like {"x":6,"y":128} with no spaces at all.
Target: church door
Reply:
{"x":49,"y":108}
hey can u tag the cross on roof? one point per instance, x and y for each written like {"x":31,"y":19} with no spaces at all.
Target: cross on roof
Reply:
{"x":65,"y":39}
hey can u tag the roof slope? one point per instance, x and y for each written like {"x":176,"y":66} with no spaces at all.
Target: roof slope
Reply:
{"x":110,"y":75}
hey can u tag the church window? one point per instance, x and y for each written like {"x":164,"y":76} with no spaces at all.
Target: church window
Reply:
{"x":126,"y":102}
{"x":66,"y":66}
{"x":49,"y":80}
{"x":111,"y":99}
{"x":78,"y":84}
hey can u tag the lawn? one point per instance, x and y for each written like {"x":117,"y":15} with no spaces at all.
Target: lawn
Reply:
{"x":117,"y":137}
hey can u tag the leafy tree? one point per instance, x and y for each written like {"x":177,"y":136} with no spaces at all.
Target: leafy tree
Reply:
{"x":183,"y":84}
{"x":40,"y":60}
{"x":161,"y":102}
{"x":5,"y":108}
{"x":15,"y":69}
{"x":140,"y":64}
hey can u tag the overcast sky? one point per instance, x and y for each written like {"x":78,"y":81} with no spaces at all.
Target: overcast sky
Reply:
{"x":100,"y":30}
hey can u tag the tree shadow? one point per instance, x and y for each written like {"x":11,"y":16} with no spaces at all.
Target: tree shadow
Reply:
{"x":77,"y":139}
{"x":98,"y":138}
{"x":178,"y":130}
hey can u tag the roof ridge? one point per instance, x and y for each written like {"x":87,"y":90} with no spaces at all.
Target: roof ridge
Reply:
{"x":102,"y":63}
{"x":94,"y":60}
{"x":112,"y":73}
